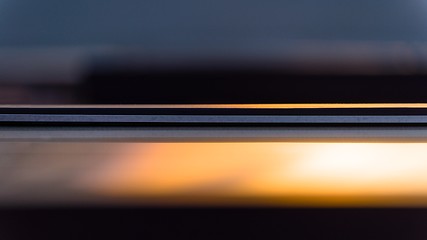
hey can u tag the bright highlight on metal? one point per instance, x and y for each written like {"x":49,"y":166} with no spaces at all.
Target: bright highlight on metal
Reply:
{"x":313,"y":174}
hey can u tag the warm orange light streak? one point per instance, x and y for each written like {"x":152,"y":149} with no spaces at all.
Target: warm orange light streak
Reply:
{"x":234,"y":106}
{"x":333,"y":172}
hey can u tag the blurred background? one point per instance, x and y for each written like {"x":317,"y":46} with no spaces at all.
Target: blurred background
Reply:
{"x":235,"y":51}
{"x":212,"y":51}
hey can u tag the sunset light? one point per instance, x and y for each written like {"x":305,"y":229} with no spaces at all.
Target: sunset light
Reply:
{"x":285,"y":173}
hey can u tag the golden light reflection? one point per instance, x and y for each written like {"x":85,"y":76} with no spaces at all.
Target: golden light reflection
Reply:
{"x":285,"y":172}
{"x":234,"y":106}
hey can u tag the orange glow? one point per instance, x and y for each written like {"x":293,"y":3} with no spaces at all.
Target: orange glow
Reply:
{"x":286,"y":172}
{"x":234,"y":106}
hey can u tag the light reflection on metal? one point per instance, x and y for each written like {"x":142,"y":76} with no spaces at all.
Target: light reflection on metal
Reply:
{"x":232,"y":106}
{"x":302,"y":173}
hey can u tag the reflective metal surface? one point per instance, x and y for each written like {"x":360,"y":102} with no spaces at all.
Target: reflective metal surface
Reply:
{"x":227,"y":166}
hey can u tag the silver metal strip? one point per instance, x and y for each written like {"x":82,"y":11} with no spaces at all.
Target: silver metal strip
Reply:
{"x":81,"y":118}
{"x":217,"y":134}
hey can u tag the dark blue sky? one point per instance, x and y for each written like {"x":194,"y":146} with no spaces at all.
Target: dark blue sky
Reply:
{"x":207,"y":24}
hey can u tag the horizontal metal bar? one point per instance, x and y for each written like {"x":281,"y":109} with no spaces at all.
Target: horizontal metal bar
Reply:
{"x":77,"y":118}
